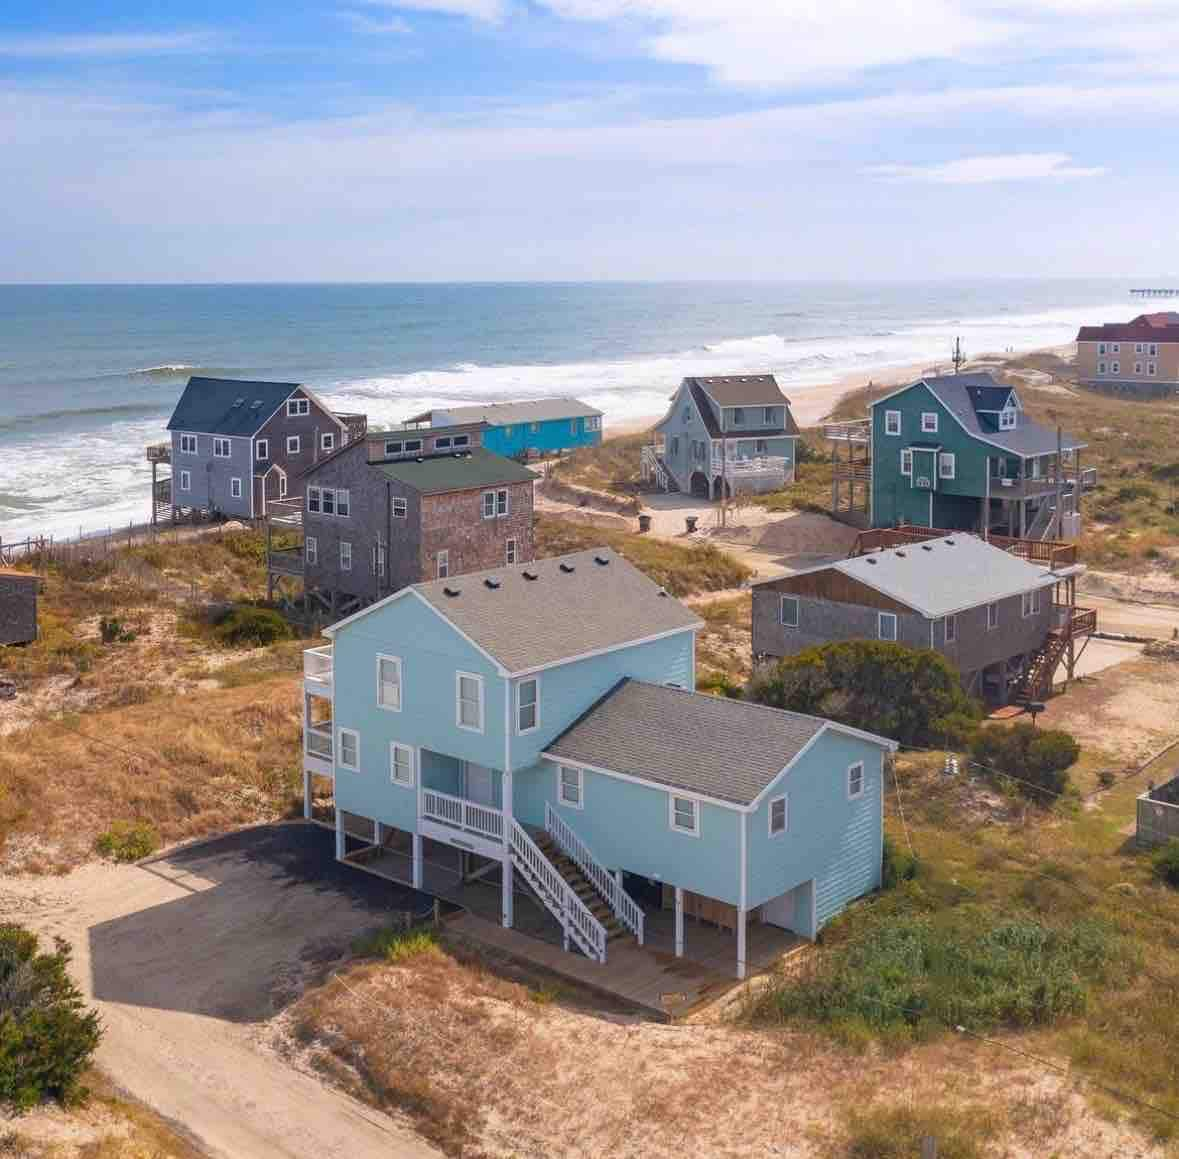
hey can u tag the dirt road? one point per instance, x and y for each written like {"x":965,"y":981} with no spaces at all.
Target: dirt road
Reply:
{"x":187,"y":957}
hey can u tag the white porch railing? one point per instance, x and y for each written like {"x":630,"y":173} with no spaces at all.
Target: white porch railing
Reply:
{"x":459,"y":813}
{"x":626,"y":909}
{"x":755,"y":465}
{"x":560,"y":900}
{"x":317,"y":664}
{"x":651,"y":466}
{"x":318,"y":744}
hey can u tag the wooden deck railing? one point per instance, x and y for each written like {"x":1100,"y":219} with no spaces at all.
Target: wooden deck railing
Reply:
{"x":1052,"y":553}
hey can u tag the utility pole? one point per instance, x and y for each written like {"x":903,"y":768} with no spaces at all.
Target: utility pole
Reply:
{"x":958,"y":356}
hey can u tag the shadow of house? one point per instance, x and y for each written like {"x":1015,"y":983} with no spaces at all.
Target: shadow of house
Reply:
{"x":255,"y":916}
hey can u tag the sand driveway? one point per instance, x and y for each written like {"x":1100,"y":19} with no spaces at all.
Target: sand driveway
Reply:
{"x":187,"y":956}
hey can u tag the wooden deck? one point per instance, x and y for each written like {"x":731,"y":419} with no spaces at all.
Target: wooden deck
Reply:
{"x":649,"y":977}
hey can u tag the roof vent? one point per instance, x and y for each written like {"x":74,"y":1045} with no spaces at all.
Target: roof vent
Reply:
{"x":900,"y":555}
{"x":663,"y":592}
{"x":491,"y":583}
{"x":419,"y":459}
{"x":255,"y":404}
{"x":239,"y":402}
{"x":871,"y":559}
{"x":601,"y":560}
{"x":926,"y":547}
{"x":530,"y":575}
{"x":568,"y":568}
{"x":949,"y":541}
{"x":452,"y":592}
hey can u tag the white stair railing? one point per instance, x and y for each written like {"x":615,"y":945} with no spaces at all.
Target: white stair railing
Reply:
{"x":577,"y":922}
{"x":460,"y":813}
{"x":626,"y":909}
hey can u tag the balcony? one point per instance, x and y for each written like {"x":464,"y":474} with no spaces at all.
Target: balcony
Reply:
{"x":461,"y":822}
{"x":317,"y":669}
{"x":159,"y":453}
{"x":1030,"y":486}
{"x":736,"y":468}
{"x":288,"y":561}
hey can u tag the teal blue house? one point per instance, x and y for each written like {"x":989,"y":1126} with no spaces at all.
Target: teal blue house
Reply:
{"x":532,"y":735}
{"x":542,"y":426}
{"x":958,"y":452}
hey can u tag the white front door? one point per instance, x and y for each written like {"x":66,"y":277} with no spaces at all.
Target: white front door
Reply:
{"x":480,"y":786}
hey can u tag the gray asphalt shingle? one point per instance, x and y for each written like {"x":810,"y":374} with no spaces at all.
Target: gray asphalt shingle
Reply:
{"x":210,"y":406}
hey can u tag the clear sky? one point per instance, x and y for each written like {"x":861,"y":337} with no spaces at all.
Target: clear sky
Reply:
{"x":575,"y":139}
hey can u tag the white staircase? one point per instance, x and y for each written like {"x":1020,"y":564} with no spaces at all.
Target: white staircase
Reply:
{"x":652,"y":467}
{"x":577,"y":922}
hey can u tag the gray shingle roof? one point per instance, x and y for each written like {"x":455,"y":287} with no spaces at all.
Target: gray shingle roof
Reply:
{"x":944,"y":576}
{"x":956,"y":393}
{"x":743,"y":389}
{"x":730,"y":750}
{"x":537,"y":410}
{"x":789,"y":426}
{"x":435,"y":474}
{"x":207,"y":406}
{"x":574,"y":605}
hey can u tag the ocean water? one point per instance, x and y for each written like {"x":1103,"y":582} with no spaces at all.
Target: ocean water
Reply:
{"x":90,"y":374}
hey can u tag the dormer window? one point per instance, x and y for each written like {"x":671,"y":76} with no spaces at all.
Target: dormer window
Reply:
{"x":1007,"y":418}
{"x":738,"y":416}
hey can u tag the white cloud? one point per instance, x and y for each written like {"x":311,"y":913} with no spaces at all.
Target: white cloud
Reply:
{"x":106,"y":45}
{"x":386,"y":26}
{"x":488,"y":11}
{"x":986,"y":170}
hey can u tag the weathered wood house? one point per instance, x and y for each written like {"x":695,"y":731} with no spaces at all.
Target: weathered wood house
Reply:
{"x":238,"y":446}
{"x":18,"y":606}
{"x":1003,"y":622}
{"x":403,"y":506}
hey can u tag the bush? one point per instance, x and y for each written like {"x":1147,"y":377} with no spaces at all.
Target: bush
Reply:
{"x":113,"y":631}
{"x":896,"y":1132}
{"x":898,"y":865}
{"x":247,"y":625}
{"x":47,"y":1036}
{"x":1039,"y":756}
{"x":1165,"y":863}
{"x":128,"y":841}
{"x":396,"y":945}
{"x":904,"y":693}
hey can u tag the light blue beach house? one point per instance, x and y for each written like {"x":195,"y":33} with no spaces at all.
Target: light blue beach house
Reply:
{"x":539,"y":426}
{"x":532,"y":735}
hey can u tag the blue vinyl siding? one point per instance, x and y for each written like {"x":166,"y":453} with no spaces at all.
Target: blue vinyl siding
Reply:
{"x":211,"y":476}
{"x":835,"y":842}
{"x":551,"y":435}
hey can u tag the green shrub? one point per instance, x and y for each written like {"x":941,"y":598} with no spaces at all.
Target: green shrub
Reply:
{"x":47,"y":1036}
{"x":246,"y":625}
{"x":887,"y":688}
{"x":1036,"y":759}
{"x":898,"y":865}
{"x":956,"y":730}
{"x":114,"y":631}
{"x":128,"y":841}
{"x":1165,"y":863}
{"x":897,"y":1132}
{"x":396,"y":945}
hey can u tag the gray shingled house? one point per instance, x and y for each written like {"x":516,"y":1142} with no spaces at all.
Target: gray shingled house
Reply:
{"x":405,"y":506}
{"x":1004,"y":623}
{"x":18,"y":606}
{"x":238,"y":445}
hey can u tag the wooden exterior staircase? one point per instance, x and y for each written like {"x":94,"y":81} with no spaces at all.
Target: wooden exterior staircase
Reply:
{"x":1037,"y":679}
{"x":582,"y":886}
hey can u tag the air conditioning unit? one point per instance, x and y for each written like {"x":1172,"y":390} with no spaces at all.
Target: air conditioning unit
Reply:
{"x":1070,"y":525}
{"x":1006,"y":482}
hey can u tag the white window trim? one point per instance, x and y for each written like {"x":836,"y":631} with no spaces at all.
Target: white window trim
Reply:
{"x":400,"y":682}
{"x":443,"y":557}
{"x":235,"y":488}
{"x":671,"y":800}
{"x":221,"y":441}
{"x":327,"y":441}
{"x":992,"y":627}
{"x":785,"y":799}
{"x":298,"y":407}
{"x":889,"y":415}
{"x":311,"y":549}
{"x":282,"y":483}
{"x":1007,"y":419}
{"x":345,"y":566}
{"x":1115,"y":368}
{"x":413,"y":765}
{"x":950,"y":636}
{"x":527,"y":679}
{"x":782,"y":611}
{"x":881,"y":618}
{"x":580,"y":802}
{"x":907,"y":471}
{"x":483,"y":504}
{"x":185,"y":450}
{"x":947,"y":459}
{"x":404,"y":512}
{"x":458,"y":700}
{"x":340,"y":749}
{"x":863,"y":781}
{"x":293,"y":445}
{"x":929,"y":422}
{"x":185,"y":480}
{"x":512,"y":550}
{"x":262,"y":450}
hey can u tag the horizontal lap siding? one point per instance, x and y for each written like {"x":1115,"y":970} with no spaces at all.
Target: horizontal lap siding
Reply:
{"x":553,"y":435}
{"x":211,"y":476}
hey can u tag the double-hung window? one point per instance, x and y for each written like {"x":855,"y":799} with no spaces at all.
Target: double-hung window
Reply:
{"x":488,"y":504}
{"x":469,"y":701}
{"x":311,"y":549}
{"x":1137,"y":367}
{"x":1151,"y":368}
{"x":297,"y":407}
{"x":222,"y":449}
{"x":511,"y":551}
{"x":1101,"y":368}
{"x":950,"y":629}
{"x":929,"y":422}
{"x":400,"y":507}
{"x":527,"y":704}
{"x":392,"y":448}
{"x":1100,"y":347}
{"x":262,"y":450}
{"x":779,"y":816}
{"x":349,"y":748}
{"x":235,"y":488}
{"x":1031,"y":603}
{"x":788,"y":611}
{"x":185,"y":481}
{"x":1115,"y":368}
{"x":886,"y":625}
{"x":293,"y":444}
{"x":570,"y":786}
{"x":1153,"y":350}
{"x":1007,"y":418}
{"x":345,"y":555}
{"x":327,"y":441}
{"x":683,"y":815}
{"x":992,"y":617}
{"x":313,"y":497}
{"x":188,"y":444}
{"x":329,"y":501}
{"x":344,"y":503}
{"x":401,"y":765}
{"x":769,"y":416}
{"x":495,"y":503}
{"x":738,"y":416}
{"x":946,"y":464}
{"x":906,"y":461}
{"x":855,"y":780}
{"x":892,"y":422}
{"x":389,"y":683}
{"x":444,"y":563}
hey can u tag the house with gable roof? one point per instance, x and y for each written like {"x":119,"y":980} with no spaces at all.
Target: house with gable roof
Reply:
{"x":1139,"y":358}
{"x":534,"y":426}
{"x":532,"y":733}
{"x":237,"y":446}
{"x":724,"y":434}
{"x":958,"y":452}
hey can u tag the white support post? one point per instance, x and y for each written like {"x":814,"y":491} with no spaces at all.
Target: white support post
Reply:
{"x":378,"y":833}
{"x":417,"y":861}
{"x":339,"y":833}
{"x":679,"y":922}
{"x":507,"y":900}
{"x":306,"y":795}
{"x":741,"y":921}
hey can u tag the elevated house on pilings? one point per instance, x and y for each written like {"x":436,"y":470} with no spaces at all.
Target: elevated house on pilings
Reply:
{"x":398,"y":507}
{"x":1003,"y":612}
{"x":527,"y":743}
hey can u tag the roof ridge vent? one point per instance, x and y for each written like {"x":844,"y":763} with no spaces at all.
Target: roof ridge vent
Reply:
{"x":949,"y":541}
{"x":530,"y":575}
{"x":568,"y":568}
{"x":601,"y":560}
{"x":493,"y":584}
{"x":452,"y":592}
{"x":663,"y":592}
